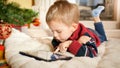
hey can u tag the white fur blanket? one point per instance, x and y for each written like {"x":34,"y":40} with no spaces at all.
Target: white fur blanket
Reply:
{"x":108,"y":57}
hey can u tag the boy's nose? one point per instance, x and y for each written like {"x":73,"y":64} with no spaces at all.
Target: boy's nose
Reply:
{"x":55,"y":35}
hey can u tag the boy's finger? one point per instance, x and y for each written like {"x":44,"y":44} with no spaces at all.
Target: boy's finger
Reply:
{"x":56,"y":50}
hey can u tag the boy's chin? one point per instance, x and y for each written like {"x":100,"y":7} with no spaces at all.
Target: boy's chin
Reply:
{"x":62,"y":40}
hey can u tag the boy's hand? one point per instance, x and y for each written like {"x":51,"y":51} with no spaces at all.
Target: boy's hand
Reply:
{"x":84,"y":39}
{"x":63,"y":46}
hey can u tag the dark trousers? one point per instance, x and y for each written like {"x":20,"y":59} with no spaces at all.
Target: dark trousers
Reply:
{"x":99,"y":31}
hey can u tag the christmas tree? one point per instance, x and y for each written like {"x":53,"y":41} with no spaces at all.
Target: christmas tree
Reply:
{"x":12,"y":13}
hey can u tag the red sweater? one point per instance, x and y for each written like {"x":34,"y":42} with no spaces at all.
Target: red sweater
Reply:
{"x":80,"y":31}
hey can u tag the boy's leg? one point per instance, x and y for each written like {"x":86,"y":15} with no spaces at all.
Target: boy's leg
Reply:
{"x":98,"y":24}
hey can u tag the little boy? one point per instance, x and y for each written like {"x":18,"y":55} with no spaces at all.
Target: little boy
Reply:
{"x":72,"y":36}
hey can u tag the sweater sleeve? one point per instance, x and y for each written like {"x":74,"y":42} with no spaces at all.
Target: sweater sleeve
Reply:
{"x":88,"y":49}
{"x":74,"y":47}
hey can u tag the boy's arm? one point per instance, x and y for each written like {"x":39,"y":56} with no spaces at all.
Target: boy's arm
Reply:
{"x":76,"y":45}
{"x":62,"y":47}
{"x":79,"y":47}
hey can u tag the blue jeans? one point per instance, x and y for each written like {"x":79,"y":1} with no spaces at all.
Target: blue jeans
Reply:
{"x":99,"y":31}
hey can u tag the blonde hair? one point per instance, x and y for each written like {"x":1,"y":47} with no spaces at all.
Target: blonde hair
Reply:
{"x":63,"y":11}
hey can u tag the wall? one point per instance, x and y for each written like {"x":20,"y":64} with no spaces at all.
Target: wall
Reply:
{"x":118,"y":12}
{"x":23,"y":3}
{"x":42,"y":7}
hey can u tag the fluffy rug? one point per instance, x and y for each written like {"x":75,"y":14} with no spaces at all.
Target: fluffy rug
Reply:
{"x":111,"y":57}
{"x":108,"y":56}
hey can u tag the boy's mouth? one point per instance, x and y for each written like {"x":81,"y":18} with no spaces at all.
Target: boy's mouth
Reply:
{"x":58,"y":40}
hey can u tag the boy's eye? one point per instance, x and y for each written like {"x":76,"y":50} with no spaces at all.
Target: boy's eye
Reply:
{"x":59,"y":31}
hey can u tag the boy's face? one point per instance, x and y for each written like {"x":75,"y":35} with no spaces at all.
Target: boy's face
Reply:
{"x":61,"y":31}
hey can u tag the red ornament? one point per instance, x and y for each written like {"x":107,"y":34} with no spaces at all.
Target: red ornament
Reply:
{"x":5,"y":31}
{"x":36,"y":22}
